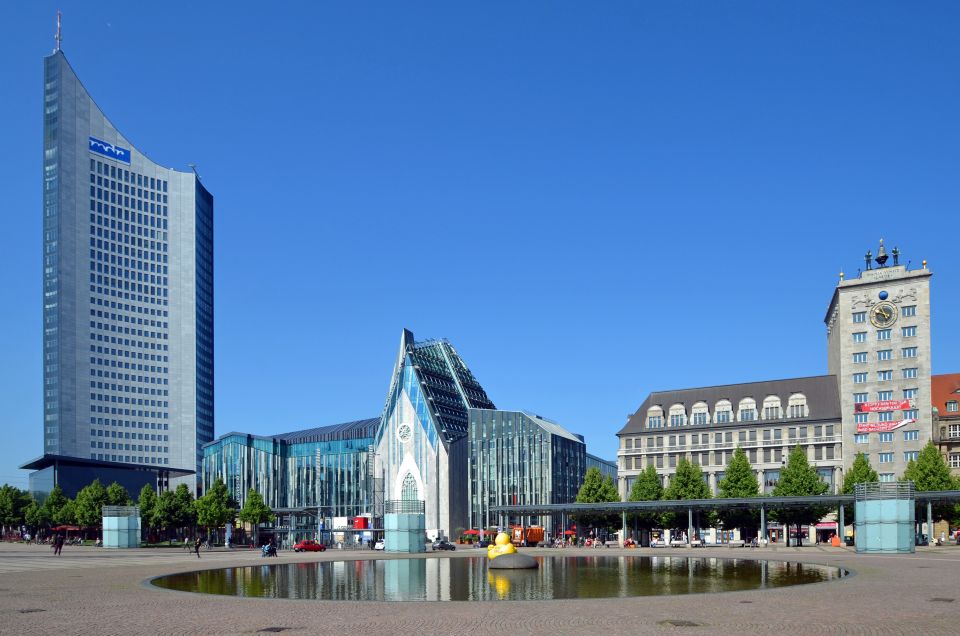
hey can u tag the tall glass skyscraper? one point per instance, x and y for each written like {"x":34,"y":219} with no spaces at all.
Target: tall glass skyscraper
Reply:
{"x":127,"y":292}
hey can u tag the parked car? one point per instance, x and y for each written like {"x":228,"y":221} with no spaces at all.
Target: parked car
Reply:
{"x":443,"y":545}
{"x":378,"y":545}
{"x":309,"y":546}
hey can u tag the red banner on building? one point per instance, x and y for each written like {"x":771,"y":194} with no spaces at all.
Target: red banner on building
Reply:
{"x":883,"y":405}
{"x":883,"y":427}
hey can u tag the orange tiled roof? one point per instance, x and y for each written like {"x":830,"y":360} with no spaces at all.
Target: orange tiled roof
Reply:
{"x":944,"y":388}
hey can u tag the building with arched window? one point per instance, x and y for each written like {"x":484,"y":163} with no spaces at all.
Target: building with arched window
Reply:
{"x":438,"y":431}
{"x":766,"y":434}
{"x":874,"y":401}
{"x":421,"y":444}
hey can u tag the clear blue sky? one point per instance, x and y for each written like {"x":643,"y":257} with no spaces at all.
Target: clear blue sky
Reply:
{"x":591,"y":200}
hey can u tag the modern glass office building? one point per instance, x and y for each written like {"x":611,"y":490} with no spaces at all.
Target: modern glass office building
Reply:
{"x":518,"y":458}
{"x":439,"y":440}
{"x":127,"y":256}
{"x":324,"y":467}
{"x":607,"y":468}
{"x":421,"y":443}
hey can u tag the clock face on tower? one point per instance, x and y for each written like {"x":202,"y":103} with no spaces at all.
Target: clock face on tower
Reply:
{"x":404,"y":433}
{"x":883,"y":314}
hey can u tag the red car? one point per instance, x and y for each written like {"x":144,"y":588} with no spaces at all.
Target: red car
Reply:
{"x":309,"y":546}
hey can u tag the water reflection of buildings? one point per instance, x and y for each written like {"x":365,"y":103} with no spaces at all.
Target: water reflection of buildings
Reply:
{"x":470,"y":579}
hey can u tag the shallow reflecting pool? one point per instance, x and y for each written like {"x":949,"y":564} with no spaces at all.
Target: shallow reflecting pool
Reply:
{"x":468,"y":579}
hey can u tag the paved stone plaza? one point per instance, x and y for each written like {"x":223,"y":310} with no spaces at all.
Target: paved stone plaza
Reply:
{"x":93,"y":591}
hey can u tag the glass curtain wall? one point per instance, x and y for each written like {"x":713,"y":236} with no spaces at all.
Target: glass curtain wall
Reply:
{"x":325,"y":467}
{"x":520,"y":459}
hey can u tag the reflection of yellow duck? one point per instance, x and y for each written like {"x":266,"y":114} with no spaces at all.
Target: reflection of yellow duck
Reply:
{"x":502,"y":546}
{"x":500,"y":583}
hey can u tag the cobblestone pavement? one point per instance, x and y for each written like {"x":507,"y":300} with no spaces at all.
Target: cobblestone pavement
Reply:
{"x":95,"y":591}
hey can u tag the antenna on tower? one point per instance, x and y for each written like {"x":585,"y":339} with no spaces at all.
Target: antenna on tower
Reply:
{"x":58,"y":37}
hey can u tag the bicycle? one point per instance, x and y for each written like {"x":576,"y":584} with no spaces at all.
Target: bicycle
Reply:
{"x":206,"y":545}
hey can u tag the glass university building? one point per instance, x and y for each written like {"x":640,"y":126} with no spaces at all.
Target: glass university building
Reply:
{"x":128,"y":337}
{"x":519,"y":458}
{"x":324,"y":466}
{"x":439,"y":440}
{"x":421,"y":443}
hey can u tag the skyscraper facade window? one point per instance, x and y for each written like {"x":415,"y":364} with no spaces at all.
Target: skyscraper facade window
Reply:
{"x":128,"y":336}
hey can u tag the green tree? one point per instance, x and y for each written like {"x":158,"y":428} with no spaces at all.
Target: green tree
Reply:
{"x":687,"y":483}
{"x":163,"y":514}
{"x":117,"y":495}
{"x":929,"y":472}
{"x":799,"y":479}
{"x":739,"y":482}
{"x":52,"y":504}
{"x":213,"y":508}
{"x":185,"y":511}
{"x":596,"y":489}
{"x":89,"y":504}
{"x":147,"y":502}
{"x":36,"y":516}
{"x":860,"y":473}
{"x":646,"y":487}
{"x":66,"y":514}
{"x":13,"y":503}
{"x":255,"y":512}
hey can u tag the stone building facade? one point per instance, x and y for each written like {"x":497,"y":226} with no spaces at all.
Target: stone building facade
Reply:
{"x":875,"y":400}
{"x":878,"y":347}
{"x":706,"y":425}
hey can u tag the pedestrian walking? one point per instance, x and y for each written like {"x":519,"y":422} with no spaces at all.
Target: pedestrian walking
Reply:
{"x":196,"y":546}
{"x":57,"y":545}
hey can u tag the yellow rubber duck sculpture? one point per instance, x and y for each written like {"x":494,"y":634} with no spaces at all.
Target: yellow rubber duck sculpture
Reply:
{"x":500,"y":546}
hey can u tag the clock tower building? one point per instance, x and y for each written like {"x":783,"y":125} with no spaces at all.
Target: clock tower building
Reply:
{"x":878,"y":347}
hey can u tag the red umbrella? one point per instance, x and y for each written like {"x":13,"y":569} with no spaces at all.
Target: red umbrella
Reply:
{"x":471,"y":531}
{"x":569,"y":532}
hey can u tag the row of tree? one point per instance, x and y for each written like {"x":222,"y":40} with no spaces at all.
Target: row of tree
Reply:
{"x":169,"y":514}
{"x":798,"y":478}
{"x":177,"y":511}
{"x":19,"y":508}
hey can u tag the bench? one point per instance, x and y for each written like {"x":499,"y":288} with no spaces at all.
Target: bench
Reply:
{"x":677,"y":543}
{"x":737,"y":544}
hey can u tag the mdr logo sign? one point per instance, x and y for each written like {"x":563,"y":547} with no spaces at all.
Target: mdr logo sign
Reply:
{"x":109,"y":150}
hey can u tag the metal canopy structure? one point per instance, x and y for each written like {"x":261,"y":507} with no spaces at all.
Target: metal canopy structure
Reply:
{"x":762,"y":504}
{"x":675,"y":505}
